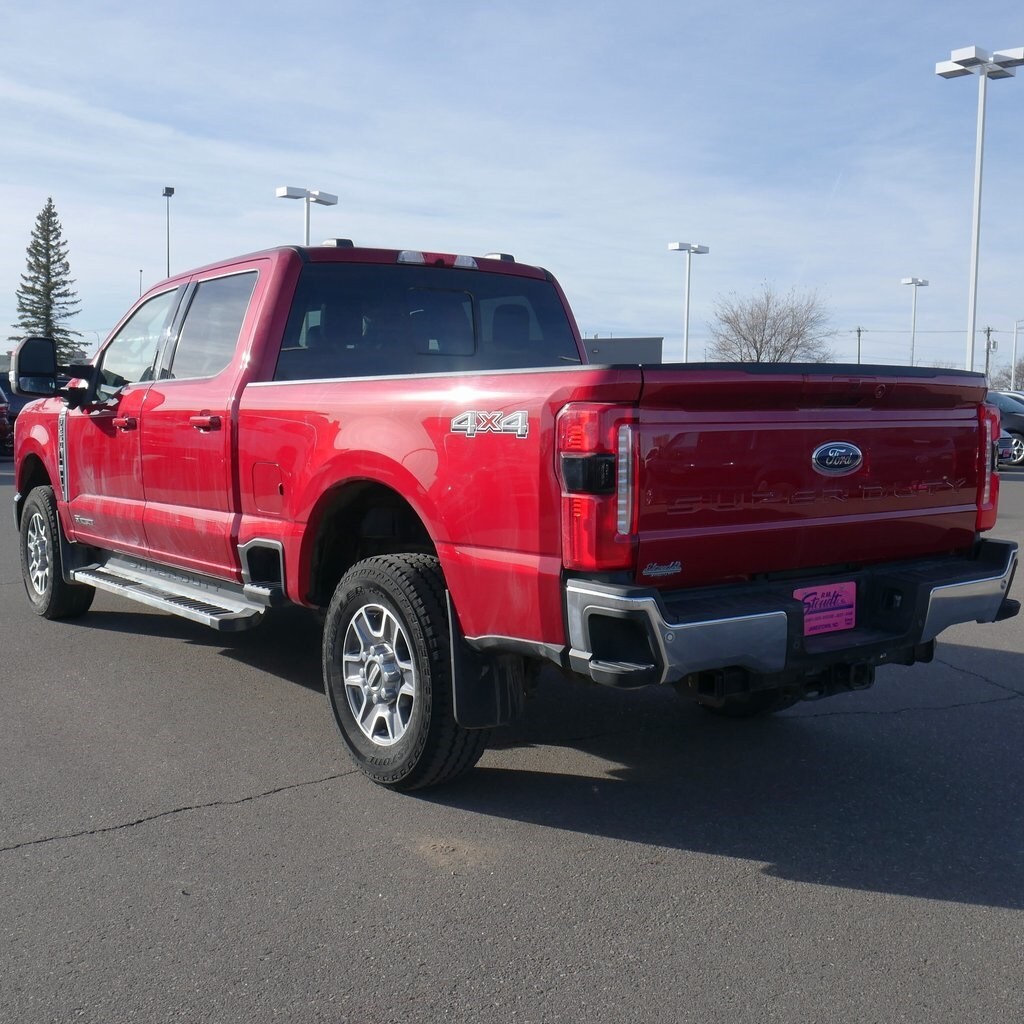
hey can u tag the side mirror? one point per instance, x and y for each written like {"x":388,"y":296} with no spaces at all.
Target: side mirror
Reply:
{"x":33,"y":370}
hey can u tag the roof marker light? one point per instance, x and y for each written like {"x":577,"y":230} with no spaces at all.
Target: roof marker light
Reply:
{"x":409,"y":256}
{"x":466,"y":262}
{"x":503,"y":256}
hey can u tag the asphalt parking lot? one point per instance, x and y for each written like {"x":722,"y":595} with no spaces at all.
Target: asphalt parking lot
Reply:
{"x":183,"y":839}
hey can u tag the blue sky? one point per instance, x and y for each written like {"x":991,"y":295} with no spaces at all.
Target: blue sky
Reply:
{"x":809,"y":145}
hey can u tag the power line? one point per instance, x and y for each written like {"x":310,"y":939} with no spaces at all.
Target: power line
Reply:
{"x":888,"y":330}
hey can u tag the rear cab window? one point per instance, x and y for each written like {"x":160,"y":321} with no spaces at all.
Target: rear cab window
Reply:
{"x":353,"y":320}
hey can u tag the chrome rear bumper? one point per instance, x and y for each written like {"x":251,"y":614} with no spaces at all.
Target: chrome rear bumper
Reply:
{"x":631,"y":636}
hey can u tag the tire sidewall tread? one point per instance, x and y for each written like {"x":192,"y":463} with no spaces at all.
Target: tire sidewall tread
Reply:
{"x":62,"y":600}
{"x":412,"y":587}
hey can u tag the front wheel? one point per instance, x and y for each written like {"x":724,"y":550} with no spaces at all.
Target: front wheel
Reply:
{"x":387,"y":674}
{"x":48,"y":592}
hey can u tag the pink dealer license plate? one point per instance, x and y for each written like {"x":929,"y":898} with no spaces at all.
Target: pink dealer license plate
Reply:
{"x":828,"y":608}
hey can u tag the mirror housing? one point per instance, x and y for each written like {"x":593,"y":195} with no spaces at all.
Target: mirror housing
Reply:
{"x":80,"y":385}
{"x":33,"y":370}
{"x":34,"y":373}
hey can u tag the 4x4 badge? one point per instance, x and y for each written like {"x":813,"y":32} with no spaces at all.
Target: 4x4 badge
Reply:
{"x":479,"y":421}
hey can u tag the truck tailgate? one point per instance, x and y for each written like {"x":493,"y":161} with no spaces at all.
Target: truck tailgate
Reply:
{"x":729,"y":487}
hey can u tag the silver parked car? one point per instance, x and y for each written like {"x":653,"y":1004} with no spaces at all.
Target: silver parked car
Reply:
{"x":1011,"y":414}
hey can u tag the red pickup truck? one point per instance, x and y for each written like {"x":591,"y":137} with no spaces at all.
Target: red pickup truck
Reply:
{"x":414,"y":444}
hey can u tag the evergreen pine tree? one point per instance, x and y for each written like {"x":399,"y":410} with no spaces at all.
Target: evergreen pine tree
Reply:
{"x":46,"y":295}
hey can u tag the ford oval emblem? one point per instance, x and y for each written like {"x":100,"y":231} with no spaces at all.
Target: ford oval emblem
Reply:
{"x":837,"y":458}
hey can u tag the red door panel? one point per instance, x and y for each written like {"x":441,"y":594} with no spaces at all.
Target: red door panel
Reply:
{"x":186,"y":437}
{"x":103,"y":460}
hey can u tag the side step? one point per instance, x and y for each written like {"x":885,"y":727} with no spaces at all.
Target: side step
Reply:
{"x":214,"y":603}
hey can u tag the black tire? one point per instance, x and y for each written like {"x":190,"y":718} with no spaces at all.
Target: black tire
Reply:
{"x":755,"y":705}
{"x":41,"y":570}
{"x":388,"y":623}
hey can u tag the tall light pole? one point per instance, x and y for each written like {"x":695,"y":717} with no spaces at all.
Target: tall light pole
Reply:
{"x":690,"y":249}
{"x":916,"y":282}
{"x":971,"y":60}
{"x":168,"y":192}
{"x":1013,"y":365}
{"x":309,"y":195}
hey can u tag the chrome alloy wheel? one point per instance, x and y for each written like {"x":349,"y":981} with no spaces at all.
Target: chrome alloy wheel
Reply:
{"x":1017,"y":450}
{"x":37,"y":544}
{"x":379,"y":674}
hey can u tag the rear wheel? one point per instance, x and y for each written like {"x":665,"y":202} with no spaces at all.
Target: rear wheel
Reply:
{"x":387,"y":674}
{"x":48,"y":592}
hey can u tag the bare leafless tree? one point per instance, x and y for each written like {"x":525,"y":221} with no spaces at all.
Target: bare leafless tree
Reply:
{"x":769,"y":328}
{"x":1000,"y":379}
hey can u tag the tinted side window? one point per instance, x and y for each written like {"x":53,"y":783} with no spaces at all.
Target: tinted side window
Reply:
{"x":351,"y":320}
{"x":209,"y":335}
{"x":131,"y":354}
{"x":1005,"y":403}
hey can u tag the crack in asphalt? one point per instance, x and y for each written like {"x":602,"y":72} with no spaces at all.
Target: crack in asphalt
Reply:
{"x":177,"y":810}
{"x":1012,"y":694}
{"x":978,"y":675}
{"x":922,"y":708}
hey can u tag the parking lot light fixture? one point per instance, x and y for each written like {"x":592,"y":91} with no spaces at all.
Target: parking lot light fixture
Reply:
{"x":915,"y":282}
{"x":972,"y":60}
{"x":168,"y":192}
{"x":690,"y":249}
{"x":309,"y":196}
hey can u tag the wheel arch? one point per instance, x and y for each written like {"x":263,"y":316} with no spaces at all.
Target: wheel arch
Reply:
{"x":363,"y":519}
{"x":352,"y":521}
{"x":31,"y":473}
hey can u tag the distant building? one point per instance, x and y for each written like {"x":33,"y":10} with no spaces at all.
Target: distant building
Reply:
{"x":624,"y":350}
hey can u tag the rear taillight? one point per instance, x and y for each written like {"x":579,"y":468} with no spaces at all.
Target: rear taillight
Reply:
{"x":988,"y":478}
{"x":597,"y":469}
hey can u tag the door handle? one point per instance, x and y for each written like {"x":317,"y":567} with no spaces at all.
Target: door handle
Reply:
{"x":204,"y":421}
{"x":126,"y":422}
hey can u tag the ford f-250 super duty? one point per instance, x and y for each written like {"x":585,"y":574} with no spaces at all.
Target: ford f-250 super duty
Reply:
{"x":413,"y":443}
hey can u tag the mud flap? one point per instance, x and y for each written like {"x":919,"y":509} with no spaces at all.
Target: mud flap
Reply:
{"x":487,"y":690}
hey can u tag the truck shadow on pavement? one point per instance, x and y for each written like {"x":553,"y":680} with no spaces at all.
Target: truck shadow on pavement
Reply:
{"x":286,"y":645}
{"x":872,"y":791}
{"x":913,"y":788}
